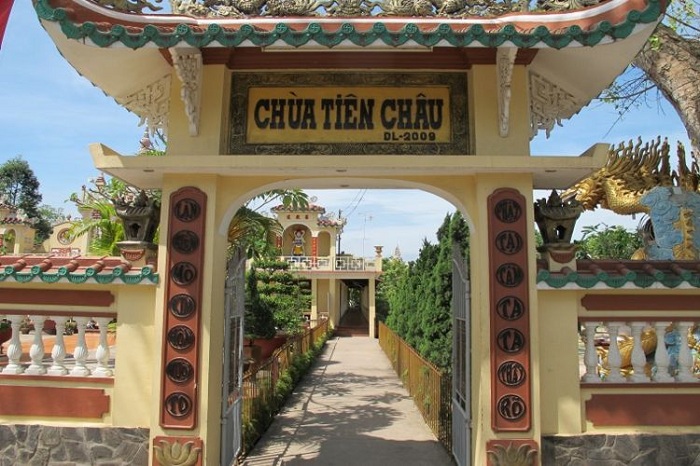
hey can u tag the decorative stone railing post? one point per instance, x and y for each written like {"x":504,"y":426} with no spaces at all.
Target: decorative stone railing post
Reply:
{"x":14,"y":349}
{"x":81,"y":352}
{"x":614,"y":356}
{"x":685,"y":357}
{"x":102,"y":353}
{"x":58,"y":352}
{"x":662,"y":360}
{"x":590,"y":357}
{"x":638,"y":357}
{"x":36,"y":352}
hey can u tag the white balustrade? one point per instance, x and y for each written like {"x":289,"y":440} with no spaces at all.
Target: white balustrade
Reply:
{"x":84,"y":361}
{"x":327,"y":263}
{"x":622,"y":352}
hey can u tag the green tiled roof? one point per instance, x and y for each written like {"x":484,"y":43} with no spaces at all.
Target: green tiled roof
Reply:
{"x":616,"y":274}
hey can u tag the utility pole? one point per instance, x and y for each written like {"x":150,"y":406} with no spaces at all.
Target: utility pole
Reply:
{"x":337,"y":247}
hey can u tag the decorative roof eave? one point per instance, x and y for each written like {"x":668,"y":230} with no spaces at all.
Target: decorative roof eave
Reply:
{"x":145,"y":277}
{"x":289,"y":208}
{"x":76,"y":270}
{"x":623,"y":275}
{"x":603,"y":23}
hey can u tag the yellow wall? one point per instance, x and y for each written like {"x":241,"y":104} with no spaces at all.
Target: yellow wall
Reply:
{"x":322,"y":293}
{"x":483,"y":102}
{"x":324,"y":243}
{"x":137,"y":341}
{"x":559,"y":376}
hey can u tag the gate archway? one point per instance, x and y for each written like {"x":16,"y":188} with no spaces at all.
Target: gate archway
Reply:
{"x":461,"y":332}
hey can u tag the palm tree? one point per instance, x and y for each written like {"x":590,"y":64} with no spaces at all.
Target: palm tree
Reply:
{"x":106,"y":228}
{"x":253,"y":231}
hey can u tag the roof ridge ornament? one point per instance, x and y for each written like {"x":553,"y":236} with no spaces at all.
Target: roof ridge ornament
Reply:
{"x":129,"y":6}
{"x":354,"y":8}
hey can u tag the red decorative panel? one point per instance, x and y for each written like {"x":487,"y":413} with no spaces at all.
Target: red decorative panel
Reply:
{"x":168,"y":451}
{"x":510,"y":320}
{"x":610,"y":410}
{"x":636,"y":302}
{"x":57,"y":297}
{"x":88,"y":403}
{"x":182,"y":309}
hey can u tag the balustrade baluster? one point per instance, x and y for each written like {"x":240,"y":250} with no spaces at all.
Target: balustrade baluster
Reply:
{"x":36,"y":352}
{"x":58,"y":352}
{"x":614,"y":357}
{"x":102,"y":353}
{"x":638,"y":358}
{"x":590,"y":357}
{"x":81,"y":352}
{"x":14,"y":349}
{"x":685,"y":357}
{"x":662,"y":360}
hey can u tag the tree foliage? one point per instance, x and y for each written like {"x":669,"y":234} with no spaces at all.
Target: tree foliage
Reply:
{"x":603,"y":242}
{"x":253,"y":231}
{"x":276,"y":299}
{"x":20,"y":189}
{"x":419,"y":294}
{"x":106,"y":228}
{"x":668,"y":66}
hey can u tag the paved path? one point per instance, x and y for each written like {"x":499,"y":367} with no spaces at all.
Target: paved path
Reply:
{"x":350,"y":410}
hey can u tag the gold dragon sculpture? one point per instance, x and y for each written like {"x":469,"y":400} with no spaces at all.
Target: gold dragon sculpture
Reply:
{"x":638,"y":178}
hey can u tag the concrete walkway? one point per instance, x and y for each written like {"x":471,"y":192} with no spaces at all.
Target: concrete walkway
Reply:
{"x":350,"y":410}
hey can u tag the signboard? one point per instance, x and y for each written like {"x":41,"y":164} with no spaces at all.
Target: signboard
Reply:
{"x":349,"y":114}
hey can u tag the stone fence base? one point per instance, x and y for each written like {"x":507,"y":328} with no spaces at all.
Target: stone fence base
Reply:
{"x":618,"y":450}
{"x":35,"y":445}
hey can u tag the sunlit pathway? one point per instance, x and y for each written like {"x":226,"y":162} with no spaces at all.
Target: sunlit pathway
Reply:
{"x":351,"y":409}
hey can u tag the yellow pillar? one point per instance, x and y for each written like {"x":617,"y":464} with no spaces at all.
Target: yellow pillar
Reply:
{"x":372,"y":309}
{"x":333,"y":304}
{"x":314,"y":300}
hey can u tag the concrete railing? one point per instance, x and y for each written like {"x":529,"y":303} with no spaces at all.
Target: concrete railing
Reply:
{"x":331,"y":263}
{"x":620,"y":352}
{"x":57,"y":344}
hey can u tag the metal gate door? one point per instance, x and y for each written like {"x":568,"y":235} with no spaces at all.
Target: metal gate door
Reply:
{"x":232,"y":397}
{"x":461,"y":360}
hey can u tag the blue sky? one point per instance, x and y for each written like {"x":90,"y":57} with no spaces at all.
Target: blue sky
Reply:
{"x":50,"y":115}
